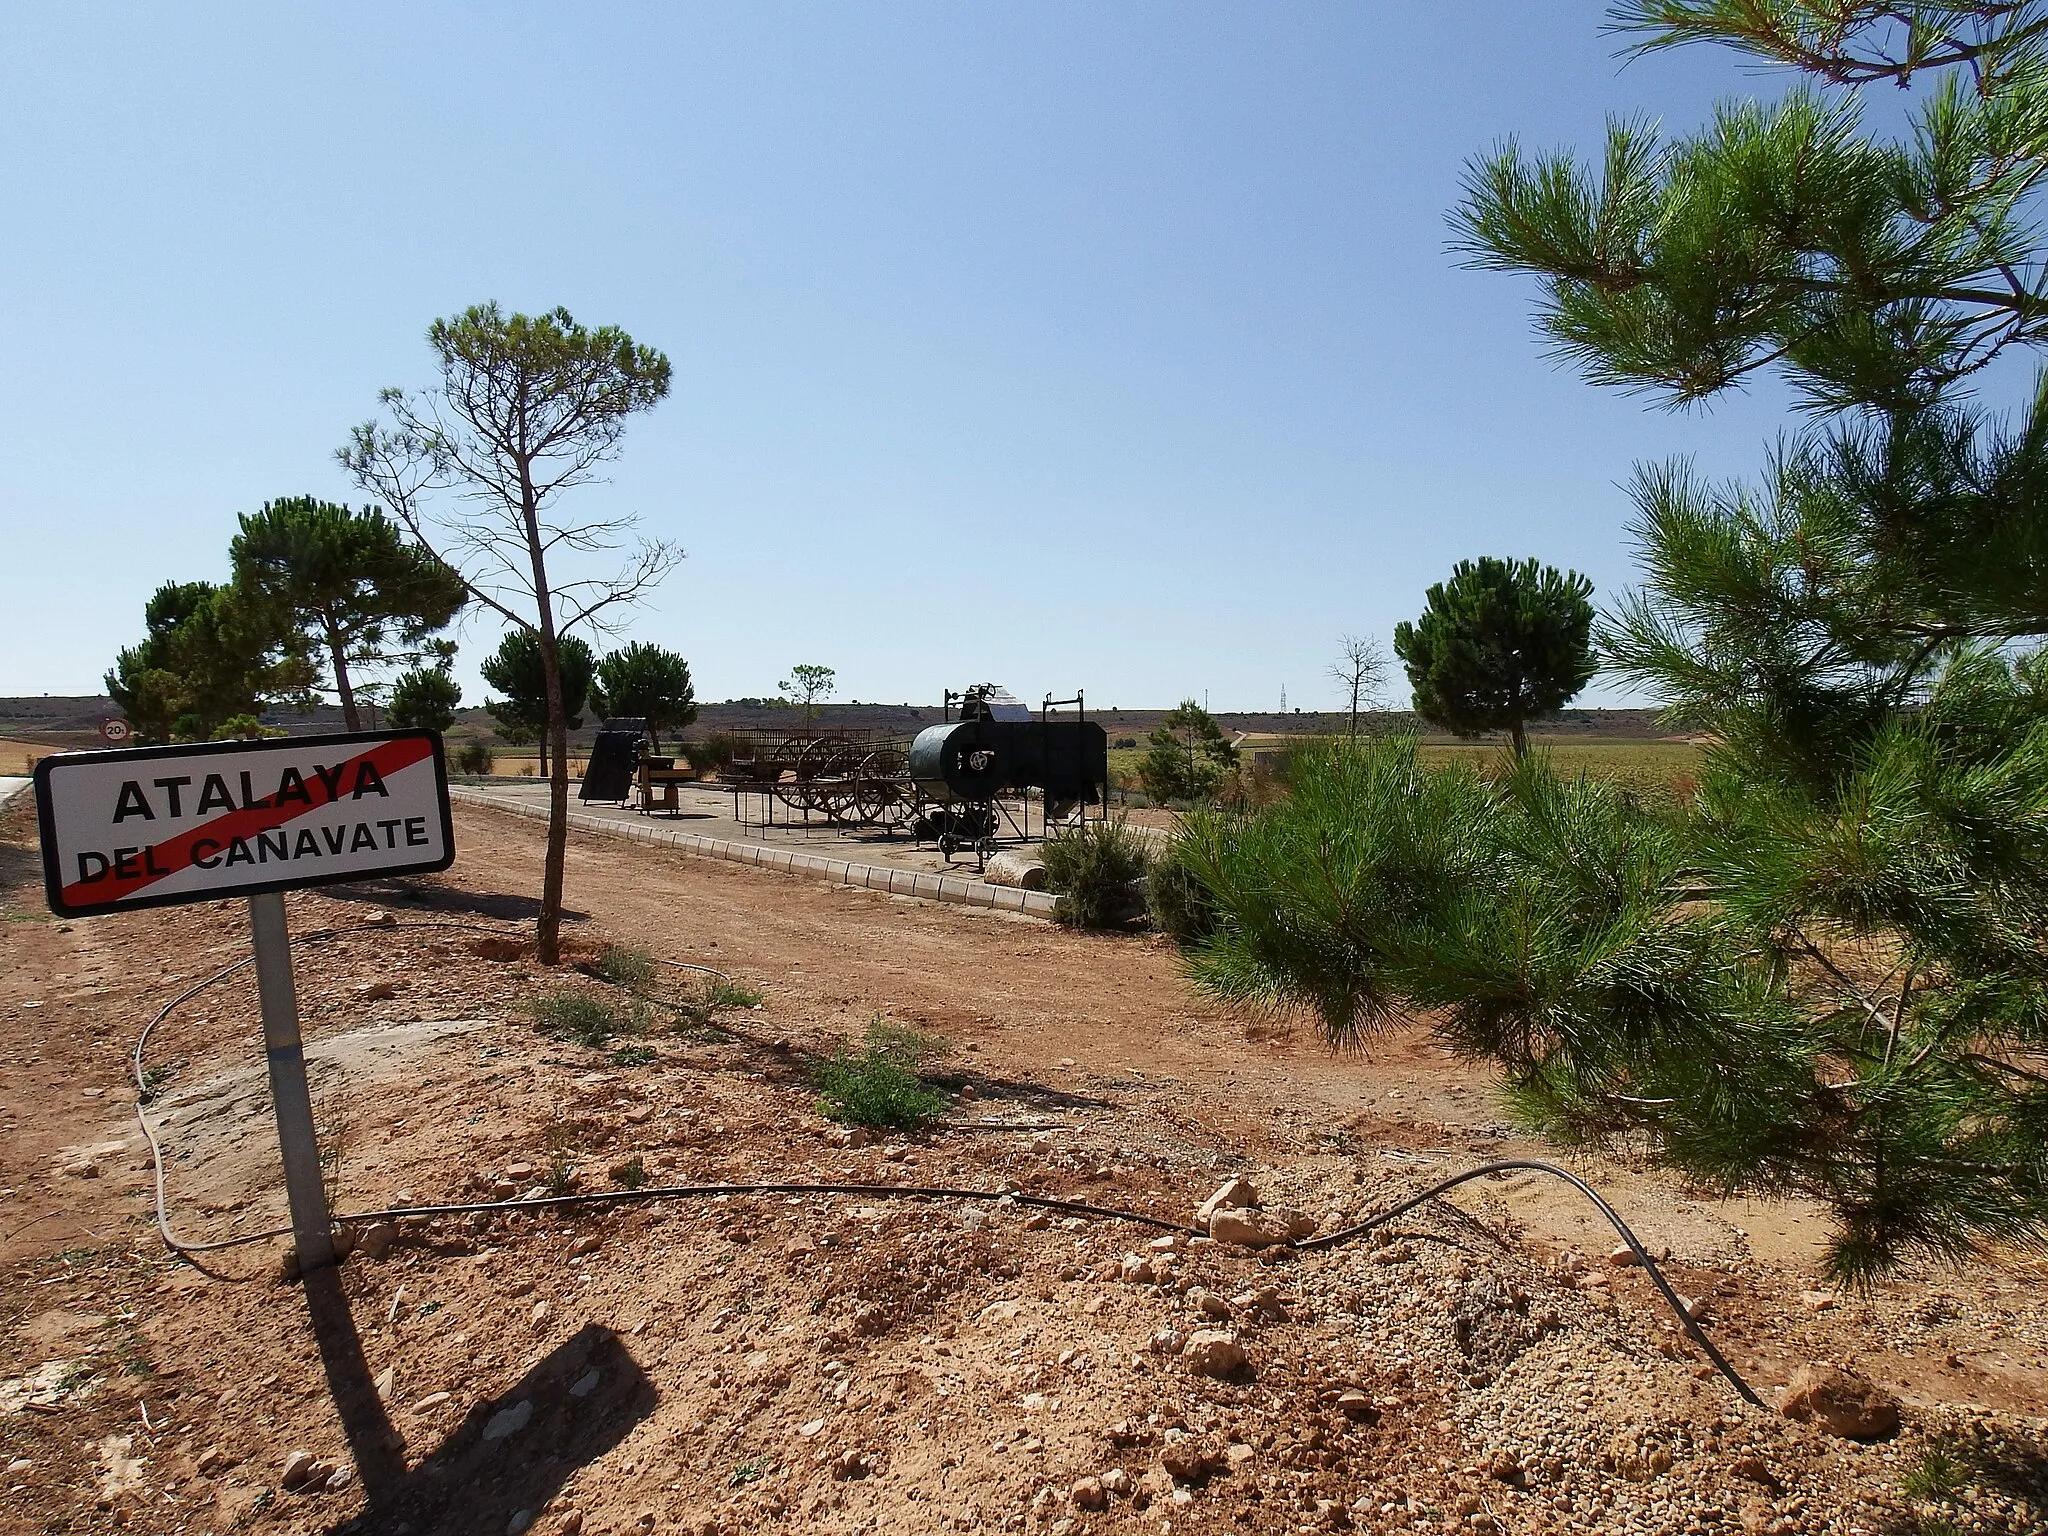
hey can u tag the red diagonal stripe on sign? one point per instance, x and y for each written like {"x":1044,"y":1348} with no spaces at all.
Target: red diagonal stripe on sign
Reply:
{"x":162,"y":860}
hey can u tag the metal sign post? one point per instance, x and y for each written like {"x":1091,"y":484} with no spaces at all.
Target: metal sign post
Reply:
{"x":157,"y":826}
{"x":290,"y":1100}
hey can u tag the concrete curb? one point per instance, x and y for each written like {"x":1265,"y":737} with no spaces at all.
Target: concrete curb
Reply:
{"x":875,"y":877}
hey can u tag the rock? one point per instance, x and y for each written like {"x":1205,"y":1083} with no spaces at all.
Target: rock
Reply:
{"x":1840,"y":1402}
{"x":1356,"y":1406}
{"x":541,"y":1312}
{"x":378,"y":1239}
{"x":517,"y":1525}
{"x":507,"y":1422}
{"x":213,"y":1461}
{"x":589,"y":1243}
{"x":1194,"y":1459}
{"x":570,"y":1523}
{"x":386,"y":1382}
{"x":519,"y":1172}
{"x":1117,"y":1481}
{"x":1209,"y":1304}
{"x":1504,"y":1467}
{"x":1819,"y":1301}
{"x":1088,"y":1493}
{"x":84,"y":1168}
{"x":1016,"y":871}
{"x":1037,"y":1221}
{"x":1621,"y":1256}
{"x":1136,"y":1269}
{"x":1155,"y":1484}
{"x":640,"y":1114}
{"x":1212,"y":1352}
{"x":375,"y":992}
{"x":1167,"y":1341}
{"x":848,"y":1137}
{"x":1260,"y":1228}
{"x":298,"y":1468}
{"x":1236,"y":1194}
{"x":432,"y":1401}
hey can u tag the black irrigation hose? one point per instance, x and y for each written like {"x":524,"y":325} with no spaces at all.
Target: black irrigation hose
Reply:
{"x":1527,"y":1165}
{"x":883,"y":1191}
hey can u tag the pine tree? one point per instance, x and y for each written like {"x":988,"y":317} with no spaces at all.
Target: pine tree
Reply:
{"x":1501,"y":643}
{"x":1829,"y":977}
{"x":345,"y":584}
{"x":646,"y":682}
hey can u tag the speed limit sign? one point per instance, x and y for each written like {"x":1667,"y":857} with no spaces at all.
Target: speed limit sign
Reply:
{"x":114,"y":730}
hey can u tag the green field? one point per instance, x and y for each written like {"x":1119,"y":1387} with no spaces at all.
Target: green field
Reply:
{"x":1657,"y":771}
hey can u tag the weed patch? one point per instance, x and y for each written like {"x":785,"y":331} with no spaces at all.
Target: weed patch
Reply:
{"x":880,"y":1084}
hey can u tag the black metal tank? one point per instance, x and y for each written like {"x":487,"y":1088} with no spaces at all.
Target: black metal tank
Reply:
{"x":965,"y":760}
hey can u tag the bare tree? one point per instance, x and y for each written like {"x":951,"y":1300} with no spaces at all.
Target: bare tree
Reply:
{"x":526,"y":408}
{"x":1360,"y":669}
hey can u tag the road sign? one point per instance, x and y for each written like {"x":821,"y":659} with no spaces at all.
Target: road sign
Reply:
{"x":153,"y":826}
{"x":114,"y":730}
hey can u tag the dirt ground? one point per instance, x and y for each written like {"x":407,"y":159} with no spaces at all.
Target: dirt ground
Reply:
{"x":857,"y":1362}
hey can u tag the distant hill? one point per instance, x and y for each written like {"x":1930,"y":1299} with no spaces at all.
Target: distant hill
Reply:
{"x":68,"y":720}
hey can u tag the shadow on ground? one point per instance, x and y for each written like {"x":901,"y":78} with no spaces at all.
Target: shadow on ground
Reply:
{"x":427,"y":896}
{"x":516,"y":1451}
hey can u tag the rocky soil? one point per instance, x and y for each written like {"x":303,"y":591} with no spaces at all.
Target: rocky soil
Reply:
{"x":869,"y":1362}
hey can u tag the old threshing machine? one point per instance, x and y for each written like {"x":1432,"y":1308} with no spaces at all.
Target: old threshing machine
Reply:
{"x":966,"y":785}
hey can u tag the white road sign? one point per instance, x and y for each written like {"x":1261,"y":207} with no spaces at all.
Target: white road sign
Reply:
{"x":151,"y":826}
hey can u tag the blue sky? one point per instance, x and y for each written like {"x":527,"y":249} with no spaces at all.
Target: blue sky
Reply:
{"x":1111,"y":346}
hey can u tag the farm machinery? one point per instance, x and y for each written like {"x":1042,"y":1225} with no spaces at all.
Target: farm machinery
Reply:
{"x":966,"y":784}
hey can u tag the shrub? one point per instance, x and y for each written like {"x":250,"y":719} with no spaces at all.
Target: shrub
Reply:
{"x":625,"y":965}
{"x":879,"y":1084}
{"x":583,"y":1018}
{"x":716,"y":751}
{"x":630,"y":1174}
{"x":1097,"y":870}
{"x":474,"y":757}
{"x":1177,"y":899}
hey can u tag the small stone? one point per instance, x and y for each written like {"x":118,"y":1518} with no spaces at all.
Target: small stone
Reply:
{"x":507,"y":1422}
{"x":432,"y":1401}
{"x":849,"y":1137}
{"x":378,"y":1239}
{"x":1356,"y":1406}
{"x":1136,"y":1269}
{"x":85,"y":1168}
{"x":540,"y":1314}
{"x":376,"y":992}
{"x":570,"y":1524}
{"x":588,"y":1243}
{"x":1840,"y":1402}
{"x":1819,"y":1301}
{"x":213,"y":1461}
{"x":1621,"y":1256}
{"x":1209,"y":1304}
{"x":1212,"y":1352}
{"x":1266,"y":1228}
{"x":1037,"y":1221}
{"x":584,"y":1385}
{"x":1467,"y":1504}
{"x":521,"y":1519}
{"x":1167,"y":1341}
{"x":298,"y":1468}
{"x":1194,"y":1459}
{"x":1088,"y":1493}
{"x":1236,"y":1194}
{"x":386,"y":1382}
{"x":640,"y":1114}
{"x":1116,"y":1481}
{"x":1504,"y":1467}
{"x":519,"y":1171}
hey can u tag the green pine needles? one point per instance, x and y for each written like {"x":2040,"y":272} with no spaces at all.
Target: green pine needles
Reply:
{"x":1828,"y":976}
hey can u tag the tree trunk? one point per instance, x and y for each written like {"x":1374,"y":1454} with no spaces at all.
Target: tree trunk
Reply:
{"x":339,"y":651}
{"x":1520,"y":739}
{"x":554,"y":738}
